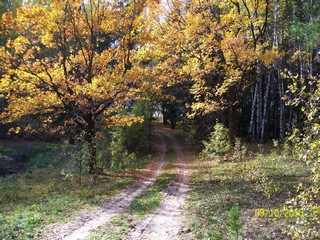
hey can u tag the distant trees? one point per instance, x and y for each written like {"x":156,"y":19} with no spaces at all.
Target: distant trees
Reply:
{"x":58,"y":65}
{"x":230,"y":57}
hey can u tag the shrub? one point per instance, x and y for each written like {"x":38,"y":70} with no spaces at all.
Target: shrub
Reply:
{"x":120,"y":158}
{"x":218,"y":143}
{"x":234,"y":223}
{"x":240,"y":150}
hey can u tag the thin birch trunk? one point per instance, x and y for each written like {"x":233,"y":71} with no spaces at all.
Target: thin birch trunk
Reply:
{"x":253,"y":112}
{"x":266,"y":95}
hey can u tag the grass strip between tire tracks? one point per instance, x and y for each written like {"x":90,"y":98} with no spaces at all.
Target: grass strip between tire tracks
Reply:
{"x":152,"y":196}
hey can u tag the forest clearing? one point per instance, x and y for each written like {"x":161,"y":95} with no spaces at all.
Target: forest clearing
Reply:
{"x":146,"y":119}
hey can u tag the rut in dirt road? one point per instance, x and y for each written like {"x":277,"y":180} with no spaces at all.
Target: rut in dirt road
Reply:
{"x":165,"y":222}
{"x":82,"y":226}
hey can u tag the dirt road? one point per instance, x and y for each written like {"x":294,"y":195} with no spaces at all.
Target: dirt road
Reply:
{"x":163,"y":223}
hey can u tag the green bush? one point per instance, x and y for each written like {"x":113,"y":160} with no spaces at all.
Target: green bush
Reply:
{"x":234,"y":223}
{"x":240,"y":150}
{"x":138,"y":135}
{"x":218,"y":143}
{"x":4,"y":150}
{"x":120,"y":158}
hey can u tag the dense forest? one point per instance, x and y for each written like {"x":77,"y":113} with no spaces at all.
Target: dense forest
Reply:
{"x":95,"y":73}
{"x":239,"y":63}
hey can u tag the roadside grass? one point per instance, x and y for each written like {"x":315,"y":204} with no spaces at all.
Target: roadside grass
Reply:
{"x":50,"y":192}
{"x":216,"y":187}
{"x":27,"y":211}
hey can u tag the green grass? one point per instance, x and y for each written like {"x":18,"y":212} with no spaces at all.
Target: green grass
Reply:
{"x":30,"y":201}
{"x":41,"y":204}
{"x":116,"y":229}
{"x":217,"y":186}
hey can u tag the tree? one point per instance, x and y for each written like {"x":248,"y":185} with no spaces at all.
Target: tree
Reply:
{"x":218,"y":47}
{"x":59,"y":65}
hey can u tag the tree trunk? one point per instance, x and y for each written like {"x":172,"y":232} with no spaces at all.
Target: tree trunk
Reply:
{"x":164,"y":114}
{"x":282,"y":108}
{"x":232,"y":112}
{"x":251,"y":132}
{"x":259,"y":109}
{"x":290,"y":118}
{"x":264,"y":117}
{"x":173,"y":123}
{"x":259,"y":101}
{"x":92,"y":148}
{"x":92,"y":156}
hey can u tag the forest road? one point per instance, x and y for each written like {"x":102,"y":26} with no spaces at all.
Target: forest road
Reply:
{"x":163,"y":223}
{"x":166,"y":221}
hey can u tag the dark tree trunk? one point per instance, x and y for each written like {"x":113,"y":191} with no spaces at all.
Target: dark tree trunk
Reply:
{"x":224,"y":117}
{"x":282,"y":109}
{"x":92,"y":148}
{"x":92,"y":156}
{"x":173,"y":123}
{"x":164,"y":114}
{"x":3,"y":127}
{"x":232,"y":123}
{"x":259,"y":108}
